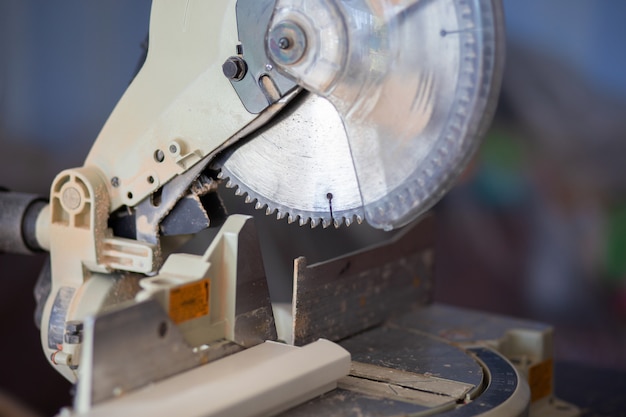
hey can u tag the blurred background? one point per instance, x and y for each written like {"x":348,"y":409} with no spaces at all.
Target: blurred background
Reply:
{"x":537,"y":229}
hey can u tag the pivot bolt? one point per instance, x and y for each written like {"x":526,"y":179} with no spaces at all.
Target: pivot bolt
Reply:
{"x":73,"y":332}
{"x":284,"y":43}
{"x":74,"y":326}
{"x":71,"y":198}
{"x":73,"y":339}
{"x":235,"y":68}
{"x":287,"y":42}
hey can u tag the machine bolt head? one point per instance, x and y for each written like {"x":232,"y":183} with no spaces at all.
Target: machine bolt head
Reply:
{"x":235,"y":68}
{"x":287,"y":43}
{"x":284,"y":43}
{"x":73,"y":339}
{"x":73,"y":327}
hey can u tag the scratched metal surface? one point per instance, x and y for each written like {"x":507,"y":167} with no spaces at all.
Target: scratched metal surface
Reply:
{"x":342,"y":297}
{"x":347,"y":403}
{"x":409,"y":351}
{"x":400,"y":349}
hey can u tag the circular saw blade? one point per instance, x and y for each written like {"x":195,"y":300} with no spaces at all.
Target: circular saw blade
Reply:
{"x":299,"y":166}
{"x":401,"y":93}
{"x":414,"y":82}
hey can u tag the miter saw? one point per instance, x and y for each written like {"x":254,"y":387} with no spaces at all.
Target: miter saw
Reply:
{"x":327,"y":112}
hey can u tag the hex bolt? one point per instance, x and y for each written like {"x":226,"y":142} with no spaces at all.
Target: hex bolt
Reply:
{"x":73,"y":327}
{"x":73,"y":332}
{"x":115,"y":182}
{"x":235,"y":68}
{"x":284,"y":43}
{"x":73,"y":339}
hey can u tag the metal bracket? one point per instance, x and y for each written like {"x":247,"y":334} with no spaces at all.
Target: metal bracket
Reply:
{"x":262,"y":84}
{"x":342,"y":297}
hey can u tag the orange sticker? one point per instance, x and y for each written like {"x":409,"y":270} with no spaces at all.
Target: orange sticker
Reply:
{"x":190,"y":301}
{"x":540,"y":380}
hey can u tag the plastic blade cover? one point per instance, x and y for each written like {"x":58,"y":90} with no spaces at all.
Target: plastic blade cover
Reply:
{"x":414,"y":81}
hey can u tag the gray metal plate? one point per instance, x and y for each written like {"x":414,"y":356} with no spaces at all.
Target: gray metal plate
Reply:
{"x":415,"y":352}
{"x":345,"y":296}
{"x":432,"y":363}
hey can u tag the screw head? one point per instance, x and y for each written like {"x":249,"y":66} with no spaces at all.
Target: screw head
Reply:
{"x":235,"y":68}
{"x":71,"y":198}
{"x":159,"y":156}
{"x":284,"y":43}
{"x":287,"y":42}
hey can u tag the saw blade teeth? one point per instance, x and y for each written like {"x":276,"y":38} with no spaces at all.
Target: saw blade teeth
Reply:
{"x":220,"y":175}
{"x":281,"y":211}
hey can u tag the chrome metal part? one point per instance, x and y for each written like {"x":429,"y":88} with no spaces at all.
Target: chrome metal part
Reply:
{"x":298,"y":166}
{"x":253,"y":17}
{"x":342,"y":297}
{"x":58,"y":313}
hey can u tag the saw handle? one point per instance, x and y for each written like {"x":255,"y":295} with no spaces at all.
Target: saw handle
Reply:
{"x":18,"y":222}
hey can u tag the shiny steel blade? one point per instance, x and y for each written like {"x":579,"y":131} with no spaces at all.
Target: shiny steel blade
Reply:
{"x":300,"y":166}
